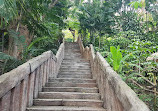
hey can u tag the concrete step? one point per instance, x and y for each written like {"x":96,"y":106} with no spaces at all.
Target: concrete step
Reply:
{"x":83,"y":62}
{"x":80,"y":60}
{"x":68,"y":95}
{"x":75,"y":70}
{"x":74,"y":67}
{"x":76,"y":59}
{"x":72,"y":80}
{"x":88,"y":76}
{"x":72,"y":49}
{"x":72,"y":52}
{"x":63,"y":108}
{"x":73,"y":57}
{"x":76,"y":48}
{"x":68,"y":102}
{"x":74,"y":62}
{"x":71,"y":89}
{"x":88,"y":73}
{"x":69,"y":84}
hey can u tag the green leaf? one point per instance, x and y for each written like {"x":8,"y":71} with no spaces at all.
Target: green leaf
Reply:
{"x":113,"y":50}
{"x":116,"y":58}
{"x":36,"y":41}
{"x":136,"y":4}
{"x":4,"y":56}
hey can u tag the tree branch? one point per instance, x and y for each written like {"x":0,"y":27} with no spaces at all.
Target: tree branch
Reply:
{"x":146,"y":80}
{"x":134,"y":82}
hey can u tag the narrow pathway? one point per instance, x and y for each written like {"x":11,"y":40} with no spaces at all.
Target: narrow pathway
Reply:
{"x":73,"y":90}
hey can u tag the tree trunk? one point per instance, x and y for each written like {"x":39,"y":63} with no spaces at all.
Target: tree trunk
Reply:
{"x":16,"y":48}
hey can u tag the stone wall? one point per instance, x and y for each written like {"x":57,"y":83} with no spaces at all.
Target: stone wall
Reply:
{"x":20,"y":86}
{"x":115,"y":93}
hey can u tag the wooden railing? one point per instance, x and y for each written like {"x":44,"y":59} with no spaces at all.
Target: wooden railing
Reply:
{"x":20,"y":86}
{"x":115,"y":93}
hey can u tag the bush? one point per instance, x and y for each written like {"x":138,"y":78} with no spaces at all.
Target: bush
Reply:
{"x":121,"y":41}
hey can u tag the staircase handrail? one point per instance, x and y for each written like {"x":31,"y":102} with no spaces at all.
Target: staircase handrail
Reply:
{"x":21,"y":85}
{"x":115,"y":93}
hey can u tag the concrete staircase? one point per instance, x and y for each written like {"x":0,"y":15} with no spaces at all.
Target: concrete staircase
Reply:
{"x":73,"y":90}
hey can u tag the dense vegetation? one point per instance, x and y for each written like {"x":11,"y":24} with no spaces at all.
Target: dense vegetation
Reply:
{"x":125,"y":32}
{"x":28,"y":28}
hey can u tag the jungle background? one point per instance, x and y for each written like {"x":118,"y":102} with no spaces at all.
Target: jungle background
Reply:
{"x":125,"y":32}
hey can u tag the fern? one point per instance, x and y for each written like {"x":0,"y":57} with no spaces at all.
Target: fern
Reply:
{"x":8,"y":62}
{"x":4,"y":56}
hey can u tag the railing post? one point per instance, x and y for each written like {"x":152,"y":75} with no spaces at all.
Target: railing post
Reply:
{"x":43,"y":72}
{"x":40,"y":79}
{"x":5,"y":102}
{"x":36,"y":83}
{"x":15,"y":96}
{"x":31,"y":86}
{"x":23,"y":94}
{"x":47,"y":71}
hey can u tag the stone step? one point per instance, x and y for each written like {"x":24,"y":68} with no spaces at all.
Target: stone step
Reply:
{"x":68,"y":102}
{"x":70,"y":50}
{"x":72,"y":80}
{"x":70,"y":89}
{"x":73,"y":62}
{"x":63,"y":108}
{"x":77,"y":71}
{"x":68,"y":95}
{"x":80,"y":72}
{"x":76,"y":59}
{"x":88,"y":76}
{"x":73,"y":57}
{"x":79,"y":60}
{"x":69,"y":84}
{"x":73,"y":49}
{"x":73,"y":67}
{"x":72,"y":53}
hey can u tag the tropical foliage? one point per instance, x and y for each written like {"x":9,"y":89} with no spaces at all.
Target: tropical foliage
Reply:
{"x":28,"y":28}
{"x":125,"y":32}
